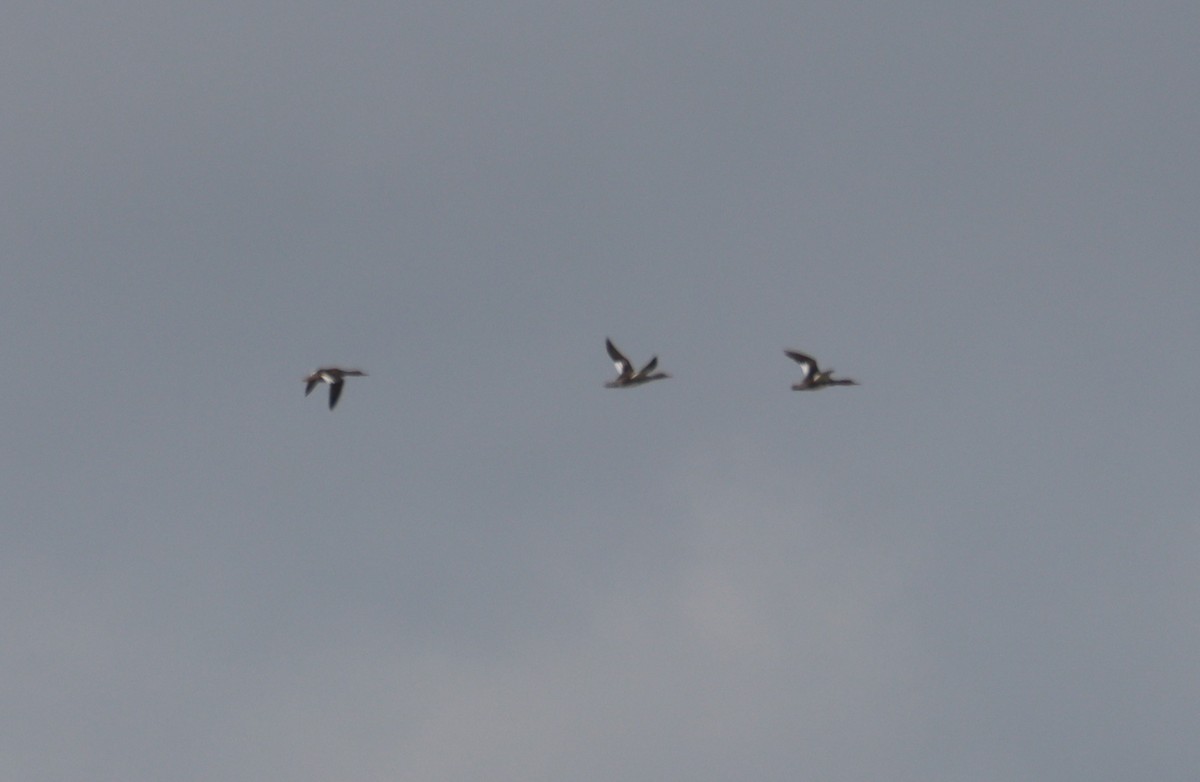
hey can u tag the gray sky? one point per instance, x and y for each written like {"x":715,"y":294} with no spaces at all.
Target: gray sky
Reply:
{"x":983,"y":563}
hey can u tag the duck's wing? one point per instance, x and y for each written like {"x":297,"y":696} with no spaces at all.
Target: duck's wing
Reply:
{"x":800,"y":358}
{"x":312,"y":381}
{"x":624,"y":367}
{"x":335,"y":391}
{"x":808,"y":363}
{"x":650,"y":365}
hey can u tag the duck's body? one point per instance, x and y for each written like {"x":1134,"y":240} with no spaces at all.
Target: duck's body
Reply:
{"x":626,"y":377}
{"x":335,"y":377}
{"x":814,"y":377}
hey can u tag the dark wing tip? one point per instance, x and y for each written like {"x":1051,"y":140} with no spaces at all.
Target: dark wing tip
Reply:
{"x":335,"y":393}
{"x":799,"y":357}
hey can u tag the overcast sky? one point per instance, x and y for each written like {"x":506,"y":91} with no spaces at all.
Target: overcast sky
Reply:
{"x":981,"y":564}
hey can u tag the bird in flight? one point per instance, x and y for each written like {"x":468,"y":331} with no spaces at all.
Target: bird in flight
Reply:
{"x":335,"y":377}
{"x":625,"y":374}
{"x":814,"y":378}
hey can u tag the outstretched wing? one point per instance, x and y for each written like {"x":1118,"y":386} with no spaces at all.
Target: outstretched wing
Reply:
{"x":650,"y":365}
{"x":808,"y":363}
{"x":624,"y":367}
{"x":335,"y":391}
{"x":312,"y":383}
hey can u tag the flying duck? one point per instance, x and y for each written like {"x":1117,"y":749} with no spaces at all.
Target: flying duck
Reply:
{"x":334,"y":377}
{"x":625,"y":374}
{"x":814,"y":378}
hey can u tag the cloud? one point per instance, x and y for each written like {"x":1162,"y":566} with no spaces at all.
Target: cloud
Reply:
{"x":766,"y":643}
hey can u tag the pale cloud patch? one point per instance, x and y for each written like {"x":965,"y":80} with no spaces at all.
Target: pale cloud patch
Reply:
{"x":764,"y":642}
